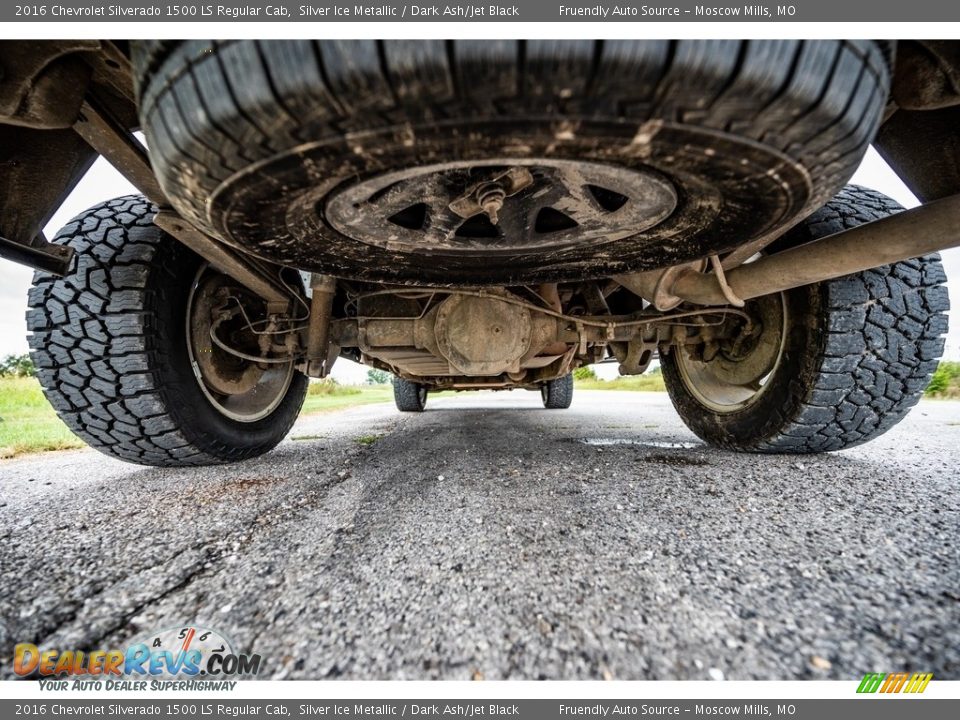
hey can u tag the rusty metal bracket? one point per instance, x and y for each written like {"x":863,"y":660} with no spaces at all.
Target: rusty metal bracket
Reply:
{"x":639,"y":354}
{"x":226,"y":261}
{"x":120,"y":147}
{"x":127,"y":154}
{"x":40,"y":255}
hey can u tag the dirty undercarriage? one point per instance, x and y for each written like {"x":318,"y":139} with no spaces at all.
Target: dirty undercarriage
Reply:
{"x":505,"y":337}
{"x":471,"y":214}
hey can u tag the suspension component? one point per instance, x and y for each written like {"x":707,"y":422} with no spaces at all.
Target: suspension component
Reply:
{"x":319,"y":357}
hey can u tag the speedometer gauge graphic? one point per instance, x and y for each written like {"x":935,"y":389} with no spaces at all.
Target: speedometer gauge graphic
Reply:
{"x":181,"y":652}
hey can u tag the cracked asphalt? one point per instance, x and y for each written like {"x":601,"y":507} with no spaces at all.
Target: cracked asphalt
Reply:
{"x":490,"y":538}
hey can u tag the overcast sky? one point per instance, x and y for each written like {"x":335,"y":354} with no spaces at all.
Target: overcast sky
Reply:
{"x":103,"y":183}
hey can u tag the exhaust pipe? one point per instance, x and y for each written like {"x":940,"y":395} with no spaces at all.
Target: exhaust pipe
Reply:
{"x":912,"y":233}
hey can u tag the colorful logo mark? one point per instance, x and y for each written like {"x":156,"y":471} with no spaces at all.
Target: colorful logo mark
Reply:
{"x":183,"y":652}
{"x":895,"y":682}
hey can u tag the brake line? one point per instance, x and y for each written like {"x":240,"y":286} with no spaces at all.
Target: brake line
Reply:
{"x":537,"y":308}
{"x":244,"y":356}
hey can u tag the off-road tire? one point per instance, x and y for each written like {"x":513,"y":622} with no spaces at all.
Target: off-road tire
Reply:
{"x":224,"y":119}
{"x":409,"y":396}
{"x":860,"y":350}
{"x":557,"y":394}
{"x":109,"y":343}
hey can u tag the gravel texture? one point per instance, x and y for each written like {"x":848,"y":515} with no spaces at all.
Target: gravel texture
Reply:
{"x":488,"y":537}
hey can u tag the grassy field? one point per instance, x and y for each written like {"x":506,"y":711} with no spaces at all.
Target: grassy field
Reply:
{"x":28,"y":423}
{"x":946,"y":381}
{"x":325,"y":395}
{"x":648,"y":382}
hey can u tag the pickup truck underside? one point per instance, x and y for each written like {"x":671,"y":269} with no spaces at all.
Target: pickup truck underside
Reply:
{"x":470,"y":214}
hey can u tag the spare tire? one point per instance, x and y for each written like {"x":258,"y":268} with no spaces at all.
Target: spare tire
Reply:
{"x":504,"y":161}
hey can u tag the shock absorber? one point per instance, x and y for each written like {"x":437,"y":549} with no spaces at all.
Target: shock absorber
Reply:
{"x":324,"y":289}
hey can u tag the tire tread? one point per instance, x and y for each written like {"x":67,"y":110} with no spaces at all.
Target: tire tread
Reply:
{"x":213,"y":108}
{"x":98,"y":343}
{"x":559,"y":393}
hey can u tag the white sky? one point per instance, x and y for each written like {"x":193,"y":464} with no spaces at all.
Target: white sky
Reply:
{"x":102,"y":182}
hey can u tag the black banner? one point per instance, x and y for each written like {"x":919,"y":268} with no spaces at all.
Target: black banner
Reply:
{"x":875,"y":708}
{"x":518,"y":10}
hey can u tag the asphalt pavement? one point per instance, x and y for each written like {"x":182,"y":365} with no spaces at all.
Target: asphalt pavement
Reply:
{"x":489,"y":538}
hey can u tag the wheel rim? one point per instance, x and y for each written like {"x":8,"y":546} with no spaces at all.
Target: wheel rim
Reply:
{"x":422,"y":396}
{"x":734,"y":380}
{"x":240,"y":390}
{"x":500,"y":206}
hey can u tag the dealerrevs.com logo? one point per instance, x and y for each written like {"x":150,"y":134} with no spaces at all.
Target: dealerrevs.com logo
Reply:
{"x":181,"y":658}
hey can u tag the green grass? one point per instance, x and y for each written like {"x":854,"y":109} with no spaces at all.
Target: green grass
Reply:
{"x":945,"y":383}
{"x":27,"y":422}
{"x":327,"y":395}
{"x":648,"y":382}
